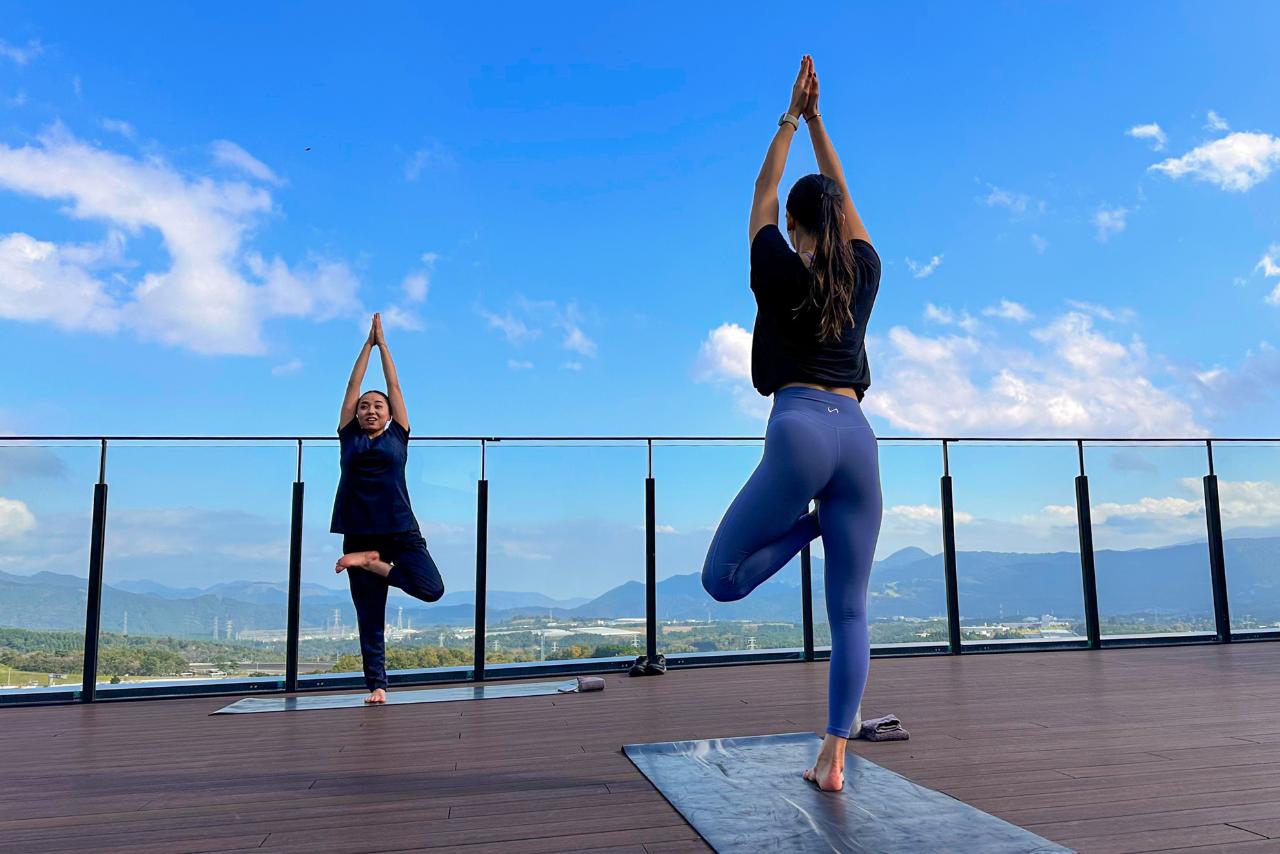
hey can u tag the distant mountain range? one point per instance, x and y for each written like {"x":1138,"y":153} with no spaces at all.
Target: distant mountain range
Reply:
{"x":909,"y":583}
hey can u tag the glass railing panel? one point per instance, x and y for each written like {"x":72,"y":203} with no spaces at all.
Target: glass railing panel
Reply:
{"x":1149,"y":538}
{"x":1017,"y":542}
{"x":196,"y":569}
{"x":441,"y":477}
{"x":1249,"y":498}
{"x":46,"y":502}
{"x":566,"y":551}
{"x":695,"y":483}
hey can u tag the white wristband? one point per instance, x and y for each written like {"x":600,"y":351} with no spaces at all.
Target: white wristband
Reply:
{"x":788,"y":119}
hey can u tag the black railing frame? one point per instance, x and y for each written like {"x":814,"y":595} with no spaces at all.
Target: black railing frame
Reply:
{"x":478,"y":672}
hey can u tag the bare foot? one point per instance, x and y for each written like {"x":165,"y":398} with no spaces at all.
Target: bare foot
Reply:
{"x":355,"y":560}
{"x":827,"y":772}
{"x":376,"y":697}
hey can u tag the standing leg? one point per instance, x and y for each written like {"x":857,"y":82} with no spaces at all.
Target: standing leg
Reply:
{"x":768,"y":523}
{"x":850,"y":511}
{"x":369,"y":595}
{"x":850,"y":528}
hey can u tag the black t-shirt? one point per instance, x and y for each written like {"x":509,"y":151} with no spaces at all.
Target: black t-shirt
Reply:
{"x":785,"y":346}
{"x":372,"y":495}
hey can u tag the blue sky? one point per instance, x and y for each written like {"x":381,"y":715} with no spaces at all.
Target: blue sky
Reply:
{"x":1076,"y":207}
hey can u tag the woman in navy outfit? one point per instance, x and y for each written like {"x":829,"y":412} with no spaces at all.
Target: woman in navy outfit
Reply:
{"x":382,"y":546}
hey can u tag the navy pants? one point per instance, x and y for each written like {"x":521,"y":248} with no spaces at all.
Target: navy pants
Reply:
{"x":818,"y":445}
{"x":414,"y":572}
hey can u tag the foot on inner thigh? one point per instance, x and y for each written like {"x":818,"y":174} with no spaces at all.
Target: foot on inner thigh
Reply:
{"x":827,"y":772}
{"x":376,"y":697}
{"x":355,"y":560}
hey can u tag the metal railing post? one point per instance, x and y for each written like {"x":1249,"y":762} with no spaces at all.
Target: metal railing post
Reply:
{"x":295,"y":581}
{"x":482,"y":563}
{"x":806,"y":600}
{"x":949,"y":556}
{"x":651,"y":562}
{"x":1217,"y":554}
{"x":1088,"y":572}
{"x":93,"y":598}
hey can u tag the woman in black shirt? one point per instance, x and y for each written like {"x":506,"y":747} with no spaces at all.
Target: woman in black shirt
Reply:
{"x":813,"y":305}
{"x":381,"y":542}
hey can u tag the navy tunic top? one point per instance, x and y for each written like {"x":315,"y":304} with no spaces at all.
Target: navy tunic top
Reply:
{"x":372,"y":495}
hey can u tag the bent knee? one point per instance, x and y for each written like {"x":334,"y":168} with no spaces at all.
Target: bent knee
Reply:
{"x":722,"y":590}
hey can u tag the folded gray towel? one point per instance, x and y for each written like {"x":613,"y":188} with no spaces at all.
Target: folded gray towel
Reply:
{"x":886,"y":728}
{"x":581,"y":684}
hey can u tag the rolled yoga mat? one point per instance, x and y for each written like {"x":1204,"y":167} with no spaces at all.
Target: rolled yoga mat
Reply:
{"x":492,"y":691}
{"x":747,"y":795}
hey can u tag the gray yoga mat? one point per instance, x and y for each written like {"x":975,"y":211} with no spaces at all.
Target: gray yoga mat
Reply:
{"x":747,"y":795}
{"x":250,"y":705}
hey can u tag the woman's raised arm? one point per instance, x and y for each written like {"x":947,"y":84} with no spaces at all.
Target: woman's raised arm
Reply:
{"x":352,"y":395}
{"x":764,"y":204}
{"x":829,"y":161}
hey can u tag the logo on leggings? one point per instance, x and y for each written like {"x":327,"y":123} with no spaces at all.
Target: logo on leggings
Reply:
{"x":830,"y":409}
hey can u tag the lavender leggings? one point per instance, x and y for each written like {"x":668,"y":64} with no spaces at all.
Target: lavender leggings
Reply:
{"x":818,"y":445}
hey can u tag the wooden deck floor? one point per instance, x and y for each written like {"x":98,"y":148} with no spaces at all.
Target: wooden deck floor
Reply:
{"x":1131,"y":750}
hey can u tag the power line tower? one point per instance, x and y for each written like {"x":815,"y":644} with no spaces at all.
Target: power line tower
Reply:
{"x":126,"y":623}
{"x":400,"y":617}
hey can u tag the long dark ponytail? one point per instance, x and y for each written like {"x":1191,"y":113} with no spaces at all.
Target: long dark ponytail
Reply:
{"x":817,"y":204}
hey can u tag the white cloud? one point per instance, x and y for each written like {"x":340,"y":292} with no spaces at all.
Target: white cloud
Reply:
{"x":519,"y":365}
{"x":920,"y":271}
{"x":575,"y":338}
{"x":1257,"y":378}
{"x":121,"y":127}
{"x":76,"y":87}
{"x":529,"y":317}
{"x":45,"y":282}
{"x":1065,"y":379}
{"x":725,"y":359}
{"x":572,"y":366}
{"x":202,"y":301}
{"x":1215,"y":122}
{"x":924,"y":513}
{"x":1008,"y":310}
{"x":21,"y":55}
{"x":1018,"y":203}
{"x":1039,"y":243}
{"x":1146,"y":508}
{"x":1235,"y":162}
{"x":726,"y":354}
{"x":395,"y":317}
{"x":18,"y":100}
{"x":521,"y":550}
{"x":415,"y":286}
{"x":516,"y":331}
{"x":16,"y":518}
{"x":287,"y":369}
{"x":228,"y":153}
{"x":1269,"y":264}
{"x":1109,"y":221}
{"x":430,"y":155}
{"x":947,"y":317}
{"x":418,"y":283}
{"x":1116,"y":315}
{"x":1151,"y":132}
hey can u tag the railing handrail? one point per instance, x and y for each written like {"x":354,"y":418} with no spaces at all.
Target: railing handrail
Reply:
{"x":332,"y":437}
